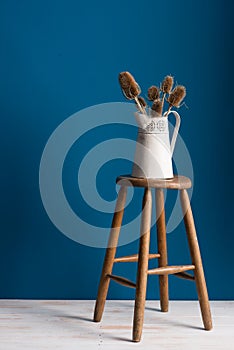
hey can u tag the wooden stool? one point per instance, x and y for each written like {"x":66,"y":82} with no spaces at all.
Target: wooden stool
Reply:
{"x":179,"y":183}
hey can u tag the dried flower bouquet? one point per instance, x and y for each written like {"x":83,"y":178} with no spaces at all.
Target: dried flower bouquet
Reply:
{"x":157,"y":95}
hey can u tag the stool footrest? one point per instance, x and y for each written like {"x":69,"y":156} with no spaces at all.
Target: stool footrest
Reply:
{"x":185,"y":276}
{"x":168,"y":270}
{"x":134,"y":258}
{"x":124,"y":281}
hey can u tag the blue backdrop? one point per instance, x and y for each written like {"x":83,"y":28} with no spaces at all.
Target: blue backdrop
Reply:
{"x":52,"y":53}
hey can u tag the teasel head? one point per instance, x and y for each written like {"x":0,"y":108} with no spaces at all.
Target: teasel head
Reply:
{"x":157,"y":106}
{"x":167,"y":84}
{"x":176,"y":96}
{"x":142,"y":103}
{"x":153,"y":93}
{"x":129,"y":86}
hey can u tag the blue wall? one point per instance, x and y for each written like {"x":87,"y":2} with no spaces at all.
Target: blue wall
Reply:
{"x":51,"y":52}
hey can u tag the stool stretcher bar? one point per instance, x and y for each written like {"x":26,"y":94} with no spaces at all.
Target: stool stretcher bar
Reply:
{"x":168,"y":270}
{"x":121,"y":280}
{"x":134,"y":258}
{"x":185,"y":276}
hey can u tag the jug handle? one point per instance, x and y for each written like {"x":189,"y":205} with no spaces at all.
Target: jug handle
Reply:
{"x":176,"y":129}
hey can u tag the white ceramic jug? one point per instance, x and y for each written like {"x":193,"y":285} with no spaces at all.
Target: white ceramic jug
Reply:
{"x":153,"y":156}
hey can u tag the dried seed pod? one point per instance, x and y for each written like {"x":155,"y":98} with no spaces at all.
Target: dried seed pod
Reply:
{"x":134,"y":90}
{"x":129,"y":86}
{"x":142,"y":102}
{"x":177,"y":95}
{"x":157,"y":106}
{"x":153,"y":93}
{"x":124,"y":79}
{"x":167,"y":84}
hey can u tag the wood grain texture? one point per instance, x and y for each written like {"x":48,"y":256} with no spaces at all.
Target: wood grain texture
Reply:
{"x":176,"y":183}
{"x":67,"y":325}
{"x":162,"y":248}
{"x":141,"y":284}
{"x":168,"y":270}
{"x":196,"y":260}
{"x":110,"y":254}
{"x":134,"y":258}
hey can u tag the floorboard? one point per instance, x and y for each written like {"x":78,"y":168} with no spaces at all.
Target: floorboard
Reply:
{"x":60,"y":325}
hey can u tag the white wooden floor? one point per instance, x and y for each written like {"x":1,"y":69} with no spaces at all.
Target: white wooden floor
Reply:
{"x":27,"y":324}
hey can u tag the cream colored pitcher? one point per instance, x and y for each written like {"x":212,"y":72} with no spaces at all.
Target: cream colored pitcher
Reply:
{"x":153,"y":155}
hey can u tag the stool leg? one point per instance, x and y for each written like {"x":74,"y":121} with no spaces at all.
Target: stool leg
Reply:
{"x":142,"y":272}
{"x":162,"y":248}
{"x":110,"y":254}
{"x":196,"y":260}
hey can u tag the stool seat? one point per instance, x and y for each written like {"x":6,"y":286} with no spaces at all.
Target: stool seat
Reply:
{"x":178,"y":182}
